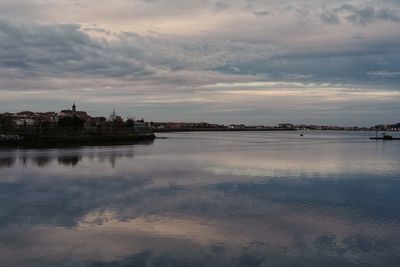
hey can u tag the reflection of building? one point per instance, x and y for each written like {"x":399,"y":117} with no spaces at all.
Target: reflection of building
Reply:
{"x":7,"y":162}
{"x":42,"y":161}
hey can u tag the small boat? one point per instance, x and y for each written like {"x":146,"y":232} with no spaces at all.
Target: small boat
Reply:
{"x":384,"y":137}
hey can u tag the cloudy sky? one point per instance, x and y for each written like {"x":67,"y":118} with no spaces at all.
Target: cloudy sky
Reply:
{"x":247,"y":61}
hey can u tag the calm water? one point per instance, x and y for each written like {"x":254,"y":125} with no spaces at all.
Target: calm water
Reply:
{"x":204,"y":199}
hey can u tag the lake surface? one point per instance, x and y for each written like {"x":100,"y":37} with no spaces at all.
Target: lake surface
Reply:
{"x":204,"y":199}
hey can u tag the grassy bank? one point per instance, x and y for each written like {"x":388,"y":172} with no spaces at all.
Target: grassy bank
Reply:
{"x":46,"y":140}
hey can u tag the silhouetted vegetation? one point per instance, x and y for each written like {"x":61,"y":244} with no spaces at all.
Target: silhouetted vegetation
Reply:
{"x":71,"y":122}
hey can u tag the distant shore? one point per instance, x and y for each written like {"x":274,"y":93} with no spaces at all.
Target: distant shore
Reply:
{"x":168,"y":130}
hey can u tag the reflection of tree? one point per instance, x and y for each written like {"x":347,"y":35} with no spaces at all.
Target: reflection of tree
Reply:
{"x":7,"y":162}
{"x":113,"y":157}
{"x":69,"y":160}
{"x":24,"y":160}
{"x":42,"y":161}
{"x":65,"y":157}
{"x":129,"y":154}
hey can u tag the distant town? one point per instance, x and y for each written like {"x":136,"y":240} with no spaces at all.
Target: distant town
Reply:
{"x":76,"y":120}
{"x":182,"y":126}
{"x":70,"y":127}
{"x":76,"y":127}
{"x":69,"y":119}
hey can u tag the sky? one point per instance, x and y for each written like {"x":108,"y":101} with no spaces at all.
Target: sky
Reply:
{"x":222,"y":61}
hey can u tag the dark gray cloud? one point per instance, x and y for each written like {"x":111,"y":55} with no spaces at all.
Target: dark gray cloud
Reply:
{"x":375,"y":63}
{"x":60,"y":50}
{"x":66,"y":49}
{"x":360,"y":15}
{"x":262,"y":13}
{"x":330,"y":17}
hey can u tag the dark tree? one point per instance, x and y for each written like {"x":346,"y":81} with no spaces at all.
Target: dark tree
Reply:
{"x":71,"y":122}
{"x":130,"y":123}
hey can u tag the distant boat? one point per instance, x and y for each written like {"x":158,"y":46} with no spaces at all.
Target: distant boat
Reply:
{"x":384,"y":137}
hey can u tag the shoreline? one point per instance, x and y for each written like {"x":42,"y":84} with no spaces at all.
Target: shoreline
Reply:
{"x":171,"y":130}
{"x":37,"y":140}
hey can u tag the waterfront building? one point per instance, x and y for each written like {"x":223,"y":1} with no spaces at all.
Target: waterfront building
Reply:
{"x":73,"y":112}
